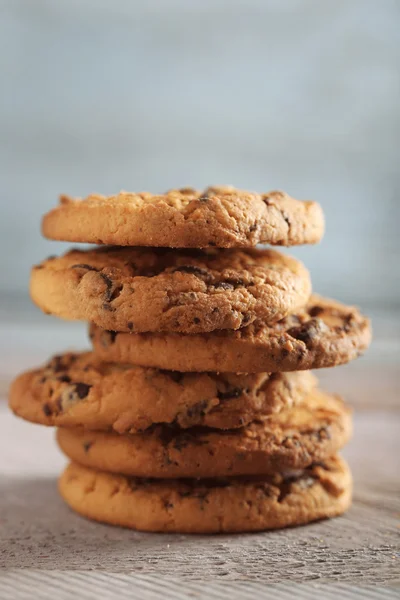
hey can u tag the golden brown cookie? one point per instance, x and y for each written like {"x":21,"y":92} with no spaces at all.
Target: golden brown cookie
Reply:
{"x":74,"y":390}
{"x":188,"y":291}
{"x":324,"y":334}
{"x":219,"y":216}
{"x":210,"y":506}
{"x":289,"y":439}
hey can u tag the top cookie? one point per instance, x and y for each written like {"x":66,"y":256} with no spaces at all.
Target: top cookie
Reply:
{"x":218,"y":216}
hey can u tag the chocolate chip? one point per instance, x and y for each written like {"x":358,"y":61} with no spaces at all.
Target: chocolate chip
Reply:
{"x":47,"y":410}
{"x":234,"y":281}
{"x":253,"y":227}
{"x":111,"y":292}
{"x":130,"y":325}
{"x":307,"y":332}
{"x":57,"y":364}
{"x":109,"y":286}
{"x":303,"y":480}
{"x":108,"y":307}
{"x":173,"y":435}
{"x":192,"y":270}
{"x":82,"y":389}
{"x":64,"y":378}
{"x":71,"y":395}
{"x":87,"y":446}
{"x":315,"y":311}
{"x":196,"y":320}
{"x":116,"y":292}
{"x":232,"y":393}
{"x":112,"y":335}
{"x":84,"y":266}
{"x":223,"y":285}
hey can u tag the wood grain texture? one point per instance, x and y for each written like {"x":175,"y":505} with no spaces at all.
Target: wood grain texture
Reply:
{"x":94,"y":585}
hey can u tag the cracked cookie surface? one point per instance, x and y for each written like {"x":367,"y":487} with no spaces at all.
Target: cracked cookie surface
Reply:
{"x":293,"y":438}
{"x":81,"y":390}
{"x":187,"y":291}
{"x":223,"y":217}
{"x":210,"y":506}
{"x":326,"y":333}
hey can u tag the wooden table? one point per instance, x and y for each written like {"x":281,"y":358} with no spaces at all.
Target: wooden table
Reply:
{"x":46,"y":551}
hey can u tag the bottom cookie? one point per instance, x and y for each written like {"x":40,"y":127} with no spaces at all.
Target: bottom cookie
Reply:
{"x":210,"y":505}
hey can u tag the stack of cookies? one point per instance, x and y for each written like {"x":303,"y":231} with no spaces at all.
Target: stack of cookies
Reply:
{"x":195,"y":410}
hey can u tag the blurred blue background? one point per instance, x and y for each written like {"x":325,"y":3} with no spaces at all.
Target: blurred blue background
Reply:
{"x":301,"y":95}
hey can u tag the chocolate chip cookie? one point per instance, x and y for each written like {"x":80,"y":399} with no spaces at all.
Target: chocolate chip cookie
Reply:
{"x":82,"y":390}
{"x":290,"y":439}
{"x":223,"y":217}
{"x":326,"y":333}
{"x":225,"y":505}
{"x":186,"y":291}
